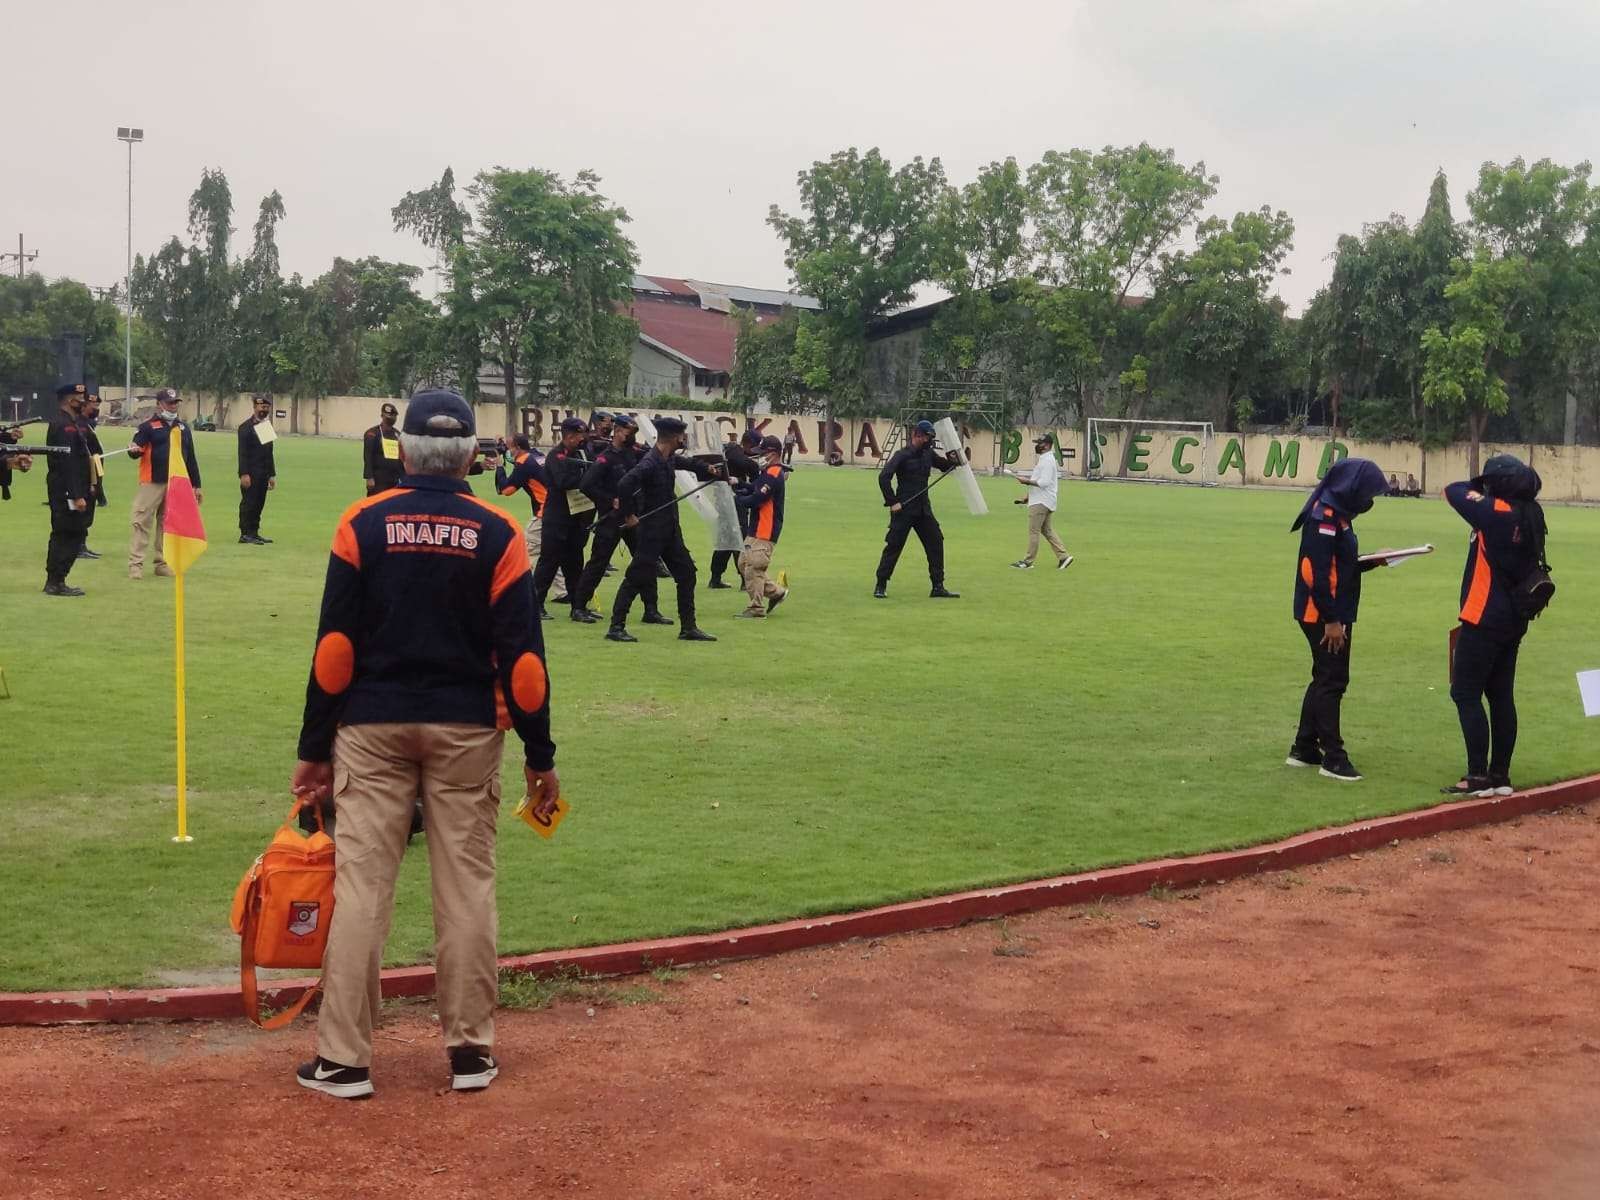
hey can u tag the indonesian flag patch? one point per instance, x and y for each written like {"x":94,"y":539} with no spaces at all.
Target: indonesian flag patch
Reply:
{"x":1328,"y":530}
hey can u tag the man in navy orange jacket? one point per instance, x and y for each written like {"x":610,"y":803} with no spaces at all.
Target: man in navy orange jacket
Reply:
{"x":152,"y":449}
{"x":1327,"y":595}
{"x":426,"y":650}
{"x":761,"y":504}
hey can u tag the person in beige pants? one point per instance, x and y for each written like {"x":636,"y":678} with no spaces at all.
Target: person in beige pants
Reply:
{"x":426,"y":650}
{"x":1042,"y":484}
{"x":152,"y":449}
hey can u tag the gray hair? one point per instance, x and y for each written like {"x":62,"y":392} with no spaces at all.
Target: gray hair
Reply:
{"x":449,"y":456}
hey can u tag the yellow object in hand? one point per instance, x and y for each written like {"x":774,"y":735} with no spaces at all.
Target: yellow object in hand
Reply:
{"x":545,"y":827}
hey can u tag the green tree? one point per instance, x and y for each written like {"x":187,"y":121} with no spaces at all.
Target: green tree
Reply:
{"x":187,"y":294}
{"x":1214,"y":323}
{"x":537,"y":280}
{"x":764,"y":365}
{"x":988,"y":327}
{"x":1541,"y":214}
{"x":260,"y":311}
{"x":1464,"y":369}
{"x":864,"y":240}
{"x":1101,"y":223}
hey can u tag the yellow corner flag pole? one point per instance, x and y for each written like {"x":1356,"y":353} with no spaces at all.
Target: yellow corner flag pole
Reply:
{"x":185,"y":537}
{"x":183,"y":724}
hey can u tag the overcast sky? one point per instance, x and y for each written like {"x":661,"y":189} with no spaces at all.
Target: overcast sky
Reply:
{"x":697,"y":115}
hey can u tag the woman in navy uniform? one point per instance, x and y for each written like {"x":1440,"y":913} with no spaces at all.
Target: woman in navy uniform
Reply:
{"x":1327,"y":593}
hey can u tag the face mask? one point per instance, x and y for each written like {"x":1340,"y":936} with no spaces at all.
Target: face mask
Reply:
{"x":168,"y":417}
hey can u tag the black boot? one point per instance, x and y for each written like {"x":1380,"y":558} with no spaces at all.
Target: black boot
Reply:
{"x":881,"y":592}
{"x":655,"y":618}
{"x":584,"y":616}
{"x":718,"y":585}
{"x":618,"y":634}
{"x":940,"y":592}
{"x":694,"y":634}
{"x":85,"y":552}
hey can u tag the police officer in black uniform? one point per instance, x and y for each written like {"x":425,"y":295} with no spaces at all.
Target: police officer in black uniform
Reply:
{"x":601,"y":425}
{"x":380,"y":468}
{"x":648,"y":503}
{"x":258,"y":472}
{"x":91,"y":417}
{"x":69,"y":483}
{"x":565,"y":529}
{"x":741,"y":469}
{"x":904,"y":482}
{"x":600,"y":484}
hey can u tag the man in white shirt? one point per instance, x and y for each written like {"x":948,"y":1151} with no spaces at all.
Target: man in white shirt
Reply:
{"x":1042,"y":484}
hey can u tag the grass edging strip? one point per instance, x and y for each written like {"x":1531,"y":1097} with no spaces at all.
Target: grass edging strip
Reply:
{"x":936,"y":912}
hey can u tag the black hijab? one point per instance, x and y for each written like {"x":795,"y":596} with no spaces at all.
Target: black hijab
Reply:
{"x":1506,"y":477}
{"x":1349,"y":488}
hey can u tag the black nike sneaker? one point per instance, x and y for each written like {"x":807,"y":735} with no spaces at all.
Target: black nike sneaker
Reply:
{"x":344,"y":1083}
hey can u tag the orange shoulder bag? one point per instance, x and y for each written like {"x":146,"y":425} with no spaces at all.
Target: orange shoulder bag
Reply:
{"x":281,"y":912}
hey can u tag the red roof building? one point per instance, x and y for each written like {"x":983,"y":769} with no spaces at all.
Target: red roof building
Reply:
{"x":687,"y":333}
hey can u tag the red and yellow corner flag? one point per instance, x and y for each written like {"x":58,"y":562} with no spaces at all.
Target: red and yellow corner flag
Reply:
{"x":183,"y":532}
{"x":184,"y":538}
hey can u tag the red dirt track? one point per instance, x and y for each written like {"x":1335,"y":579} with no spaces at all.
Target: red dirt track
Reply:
{"x":1417,"y":1021}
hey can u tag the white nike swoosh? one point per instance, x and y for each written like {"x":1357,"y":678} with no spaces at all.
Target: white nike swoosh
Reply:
{"x":320,"y":1074}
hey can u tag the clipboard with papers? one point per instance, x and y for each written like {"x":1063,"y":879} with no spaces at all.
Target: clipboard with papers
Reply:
{"x":1393,"y":558}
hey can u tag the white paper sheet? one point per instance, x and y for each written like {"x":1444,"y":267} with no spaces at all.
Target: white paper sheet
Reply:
{"x":266,"y":434}
{"x":1589,"y":689}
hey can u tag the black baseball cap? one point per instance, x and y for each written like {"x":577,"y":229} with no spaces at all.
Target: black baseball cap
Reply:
{"x":166,"y":394}
{"x":770,"y":444}
{"x":439,"y":413}
{"x":70,"y":389}
{"x":574,"y":425}
{"x":923,"y":427}
{"x":389,"y":410}
{"x":669,"y":425}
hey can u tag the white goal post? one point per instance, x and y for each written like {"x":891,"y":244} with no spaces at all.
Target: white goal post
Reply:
{"x":1150,"y":451}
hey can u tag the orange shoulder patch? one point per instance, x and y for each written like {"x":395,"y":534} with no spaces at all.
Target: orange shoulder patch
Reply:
{"x":530,"y":685}
{"x":334,"y":664}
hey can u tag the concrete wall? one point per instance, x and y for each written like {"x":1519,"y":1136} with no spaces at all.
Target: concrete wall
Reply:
{"x":1570,"y":472}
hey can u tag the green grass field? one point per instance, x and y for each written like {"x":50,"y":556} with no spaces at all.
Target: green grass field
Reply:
{"x":846,"y":752}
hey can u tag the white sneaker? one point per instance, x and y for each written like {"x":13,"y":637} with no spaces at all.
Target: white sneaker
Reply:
{"x":1023,"y":564}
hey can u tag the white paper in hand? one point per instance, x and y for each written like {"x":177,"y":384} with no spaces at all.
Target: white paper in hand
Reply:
{"x":1589,"y":689}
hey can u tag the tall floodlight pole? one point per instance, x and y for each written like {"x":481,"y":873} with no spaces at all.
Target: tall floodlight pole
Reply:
{"x":130,"y":136}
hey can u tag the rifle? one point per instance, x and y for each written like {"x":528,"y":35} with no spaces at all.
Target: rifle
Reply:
{"x":9,"y":451}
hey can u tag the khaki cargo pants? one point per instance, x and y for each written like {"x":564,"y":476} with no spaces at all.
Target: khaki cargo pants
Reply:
{"x":1039,"y":522}
{"x":149,"y":509}
{"x":378,"y":773}
{"x":754,"y":560}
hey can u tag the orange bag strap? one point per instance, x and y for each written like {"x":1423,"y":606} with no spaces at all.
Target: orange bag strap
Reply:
{"x":249,"y":987}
